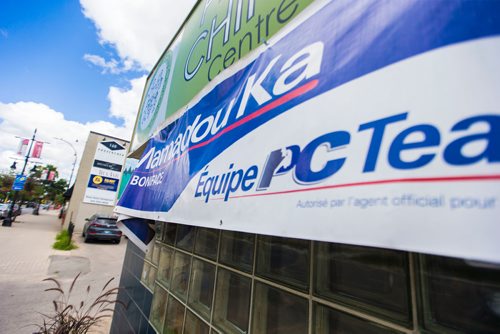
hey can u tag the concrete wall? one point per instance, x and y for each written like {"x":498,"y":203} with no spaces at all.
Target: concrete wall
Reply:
{"x":77,"y":209}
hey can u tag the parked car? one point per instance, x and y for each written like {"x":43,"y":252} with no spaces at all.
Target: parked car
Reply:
{"x":100,"y":227}
{"x":4,"y":210}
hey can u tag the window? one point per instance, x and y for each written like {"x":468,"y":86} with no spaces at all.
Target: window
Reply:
{"x":375,"y":280}
{"x":150,"y":283}
{"x":201,"y":288}
{"x":155,"y":257}
{"x":180,"y":274}
{"x":207,"y":241}
{"x":284,"y":260}
{"x":237,"y":250}
{"x":278,"y":312}
{"x":145,"y":273}
{"x":159,"y":230}
{"x":206,"y":282}
{"x":195,"y":325}
{"x":232,"y":302}
{"x":174,"y":318}
{"x":169,"y":232}
{"x":158,"y":307}
{"x":185,"y":237}
{"x":165,"y":266}
{"x":460,"y":296}
{"x":327,"y":320}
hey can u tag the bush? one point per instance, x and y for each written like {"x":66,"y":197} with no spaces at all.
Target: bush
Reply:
{"x":63,"y":241}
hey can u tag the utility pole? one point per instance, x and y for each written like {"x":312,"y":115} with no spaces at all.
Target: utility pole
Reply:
{"x":8,"y":221}
{"x":74,"y":161}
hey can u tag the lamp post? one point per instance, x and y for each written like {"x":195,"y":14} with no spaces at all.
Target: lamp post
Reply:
{"x":74,"y":161}
{"x":62,"y":212}
{"x":8,"y":220}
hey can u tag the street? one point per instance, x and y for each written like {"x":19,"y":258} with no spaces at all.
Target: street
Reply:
{"x":27,"y":257}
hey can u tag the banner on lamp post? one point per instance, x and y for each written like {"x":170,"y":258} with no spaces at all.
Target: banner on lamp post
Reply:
{"x":19,"y":182}
{"x":37,"y":150}
{"x":23,"y":146}
{"x":51,"y":176}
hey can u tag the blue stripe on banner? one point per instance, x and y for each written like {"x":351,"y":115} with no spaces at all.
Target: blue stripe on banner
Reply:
{"x":353,"y":39}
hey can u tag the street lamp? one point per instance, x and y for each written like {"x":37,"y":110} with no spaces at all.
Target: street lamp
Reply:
{"x":8,"y":220}
{"x":74,"y":161}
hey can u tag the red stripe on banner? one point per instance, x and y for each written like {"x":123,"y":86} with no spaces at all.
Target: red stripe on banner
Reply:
{"x":276,"y":103}
{"x":370,"y":183}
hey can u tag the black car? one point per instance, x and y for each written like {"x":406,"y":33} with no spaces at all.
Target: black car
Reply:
{"x":99,"y":227}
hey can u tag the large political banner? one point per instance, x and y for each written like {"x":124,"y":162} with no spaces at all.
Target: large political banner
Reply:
{"x":371,"y":122}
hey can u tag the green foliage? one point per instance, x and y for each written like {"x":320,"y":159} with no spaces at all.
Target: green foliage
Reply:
{"x":77,"y":318}
{"x":6,"y":182}
{"x":63,"y":241}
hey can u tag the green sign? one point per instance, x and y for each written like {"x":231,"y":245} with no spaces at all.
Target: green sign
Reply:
{"x":216,"y":36}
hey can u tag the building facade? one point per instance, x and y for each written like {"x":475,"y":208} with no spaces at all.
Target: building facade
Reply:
{"x":105,"y":165}
{"x":199,"y":280}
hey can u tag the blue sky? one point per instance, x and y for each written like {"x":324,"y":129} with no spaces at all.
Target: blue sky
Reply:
{"x":70,"y":67}
{"x":42,"y":44}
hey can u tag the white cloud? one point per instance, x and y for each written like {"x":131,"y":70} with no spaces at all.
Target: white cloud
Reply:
{"x":21,"y":118}
{"x":139,"y":30}
{"x":112,"y":66}
{"x":125,"y":103}
{"x":4,"y":33}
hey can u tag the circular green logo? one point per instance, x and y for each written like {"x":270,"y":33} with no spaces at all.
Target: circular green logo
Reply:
{"x":154,"y":96}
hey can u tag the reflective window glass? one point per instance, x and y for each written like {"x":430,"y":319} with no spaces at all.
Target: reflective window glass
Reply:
{"x":185,"y":237}
{"x":195,"y":325}
{"x":159,"y":230}
{"x":461,"y":296}
{"x":149,"y":255}
{"x":327,"y":320}
{"x":237,"y":250}
{"x":278,"y":312}
{"x":145,"y":273}
{"x":151,"y":277}
{"x":155,"y":258}
{"x":174,"y":318}
{"x":180,"y":274}
{"x":165,"y":266}
{"x":201,"y":287}
{"x":232,"y":302}
{"x":207,"y":241}
{"x":169,"y":232}
{"x":375,"y":280}
{"x":158,"y":307}
{"x":284,"y":260}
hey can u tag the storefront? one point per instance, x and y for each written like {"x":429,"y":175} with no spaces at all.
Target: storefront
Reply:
{"x":319,"y":167}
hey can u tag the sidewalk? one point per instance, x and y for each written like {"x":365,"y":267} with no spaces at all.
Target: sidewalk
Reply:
{"x":27,"y":257}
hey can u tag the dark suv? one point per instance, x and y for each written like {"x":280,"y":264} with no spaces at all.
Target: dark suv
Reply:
{"x":99,"y":227}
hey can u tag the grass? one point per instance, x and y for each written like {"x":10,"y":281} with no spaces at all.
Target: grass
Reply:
{"x":77,"y":318}
{"x":63,"y":241}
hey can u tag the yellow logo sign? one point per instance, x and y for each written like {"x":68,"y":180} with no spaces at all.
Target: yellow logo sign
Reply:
{"x":97,"y":179}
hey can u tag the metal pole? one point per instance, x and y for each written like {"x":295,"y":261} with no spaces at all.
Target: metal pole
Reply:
{"x":74,"y":161}
{"x":8,"y":221}
{"x":61,"y":213}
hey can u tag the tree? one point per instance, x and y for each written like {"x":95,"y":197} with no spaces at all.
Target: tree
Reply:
{"x":6,"y":182}
{"x":55,"y":188}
